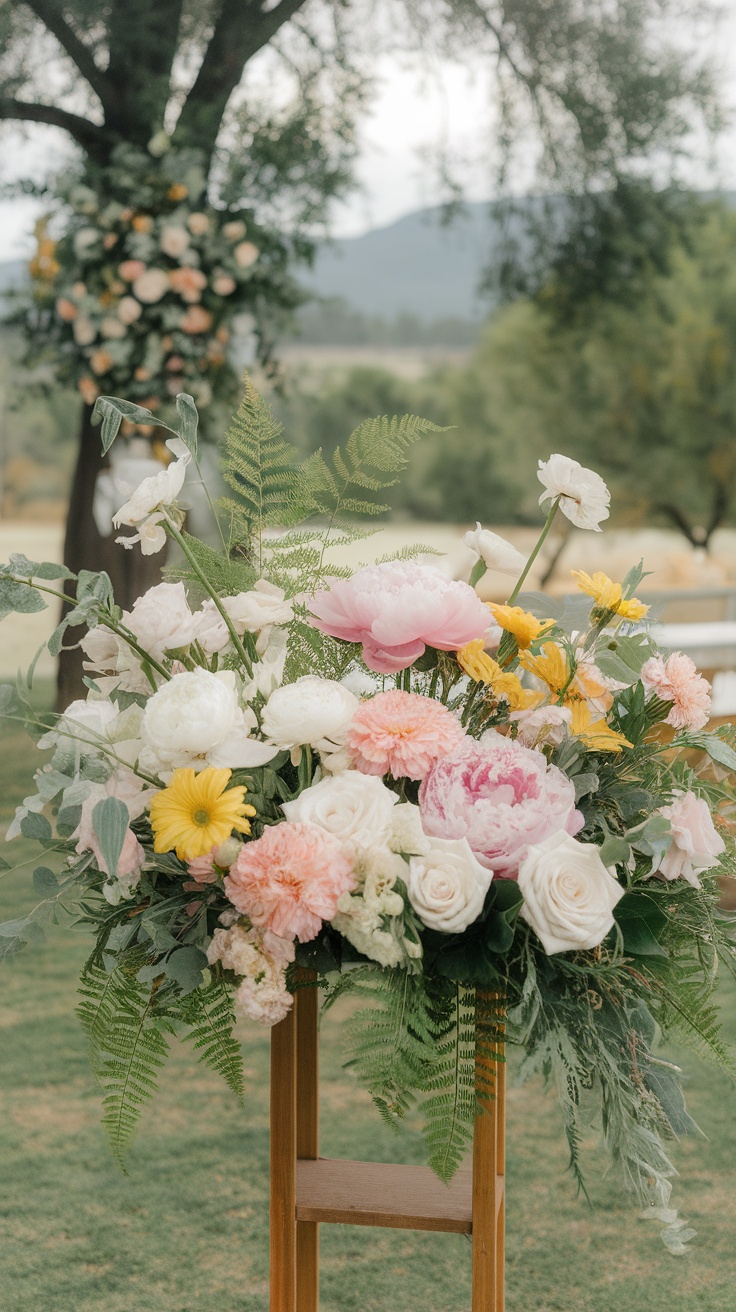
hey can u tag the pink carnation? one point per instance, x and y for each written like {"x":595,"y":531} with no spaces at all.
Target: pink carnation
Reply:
{"x":290,"y":880}
{"x":202,"y":868}
{"x":696,"y":843}
{"x":396,"y":609}
{"x":402,"y":734}
{"x":502,"y":797}
{"x":676,"y":680}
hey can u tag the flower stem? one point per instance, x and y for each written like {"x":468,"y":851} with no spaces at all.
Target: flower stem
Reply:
{"x":540,"y":543}
{"x":236,"y":641}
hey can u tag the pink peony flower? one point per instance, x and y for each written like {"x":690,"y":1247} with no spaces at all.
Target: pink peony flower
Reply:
{"x":396,"y":609}
{"x":402,"y":734}
{"x":290,"y":880}
{"x":502,"y":797}
{"x":696,"y":843}
{"x":676,"y":680}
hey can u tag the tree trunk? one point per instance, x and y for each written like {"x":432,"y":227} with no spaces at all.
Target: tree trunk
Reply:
{"x":131,"y":572}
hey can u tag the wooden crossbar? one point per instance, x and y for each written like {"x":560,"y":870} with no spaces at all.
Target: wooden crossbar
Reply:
{"x":308,"y":1190}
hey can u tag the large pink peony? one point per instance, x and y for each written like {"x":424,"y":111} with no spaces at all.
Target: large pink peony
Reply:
{"x":502,"y":797}
{"x":396,"y":609}
{"x":290,"y":880}
{"x":402,"y":734}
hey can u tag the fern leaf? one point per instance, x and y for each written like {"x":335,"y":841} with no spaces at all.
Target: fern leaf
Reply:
{"x":136,"y":1051}
{"x":449,"y":1111}
{"x":260,"y":467}
{"x":211,"y":1015}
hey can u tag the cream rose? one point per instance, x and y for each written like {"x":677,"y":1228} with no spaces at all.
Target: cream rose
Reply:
{"x":696,"y":843}
{"x":150,"y":286}
{"x":311,"y":710}
{"x":569,"y":894}
{"x":356,"y":808}
{"x":196,"y":720}
{"x":447,"y":886}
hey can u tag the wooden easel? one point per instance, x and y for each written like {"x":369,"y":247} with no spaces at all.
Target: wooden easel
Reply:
{"x":307,"y":1189}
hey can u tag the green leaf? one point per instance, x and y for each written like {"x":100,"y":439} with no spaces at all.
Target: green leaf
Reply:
{"x":718,"y":750}
{"x":35,"y":825}
{"x":185,"y":967}
{"x":586,"y":783}
{"x":622,"y":658}
{"x":19,"y":598}
{"x":641,"y":920}
{"x":110,"y":411}
{"x":110,"y":820}
{"x":615,"y":851}
{"x":188,"y":420}
{"x":45,"y":882}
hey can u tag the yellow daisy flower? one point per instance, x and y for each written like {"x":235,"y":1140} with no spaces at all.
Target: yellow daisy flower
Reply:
{"x":478,"y":665}
{"x":608,"y":595}
{"x":197,"y":812}
{"x":519,"y":622}
{"x":551,"y":666}
{"x":597,"y":735}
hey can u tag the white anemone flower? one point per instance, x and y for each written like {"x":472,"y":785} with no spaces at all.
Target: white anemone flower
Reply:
{"x":584,"y":497}
{"x":495,"y":552}
{"x":143,"y":510}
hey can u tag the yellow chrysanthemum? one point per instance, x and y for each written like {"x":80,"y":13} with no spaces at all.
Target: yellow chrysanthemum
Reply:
{"x":518,"y":622}
{"x":197,"y":812}
{"x":608,"y":595}
{"x":551,"y":666}
{"x":597,"y":735}
{"x":478,"y":665}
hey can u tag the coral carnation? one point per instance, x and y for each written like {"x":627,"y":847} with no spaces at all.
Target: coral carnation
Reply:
{"x":402,"y":734}
{"x":397,"y":608}
{"x":502,"y":797}
{"x":676,"y":680}
{"x":290,"y":880}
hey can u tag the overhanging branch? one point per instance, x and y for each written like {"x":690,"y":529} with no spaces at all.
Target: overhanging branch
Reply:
{"x":53,"y":19}
{"x":90,"y":135}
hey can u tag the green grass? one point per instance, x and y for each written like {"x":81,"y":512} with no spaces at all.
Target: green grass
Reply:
{"x":188,"y":1227}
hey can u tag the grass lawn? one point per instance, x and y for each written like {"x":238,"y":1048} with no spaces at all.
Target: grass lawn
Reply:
{"x":187,"y":1229}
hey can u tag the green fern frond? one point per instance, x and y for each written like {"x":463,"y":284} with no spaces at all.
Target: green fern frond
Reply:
{"x":449,"y":1111}
{"x":211,"y":1016}
{"x":228,"y":575}
{"x":374,"y":452}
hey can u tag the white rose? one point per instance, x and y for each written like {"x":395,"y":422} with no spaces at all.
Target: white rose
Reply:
{"x":174,"y":241}
{"x":233,"y":230}
{"x":150,"y":286}
{"x":311,"y":710}
{"x":569,"y":894}
{"x":198,"y":223}
{"x":494,"y":551}
{"x":161,"y":620}
{"x":196,"y":720}
{"x":263,"y":606}
{"x":447,"y":886}
{"x":584,"y":497}
{"x":129,"y":310}
{"x":246,"y":253}
{"x":356,"y":808}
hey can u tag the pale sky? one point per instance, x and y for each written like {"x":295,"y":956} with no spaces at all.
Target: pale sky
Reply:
{"x":414,"y":108}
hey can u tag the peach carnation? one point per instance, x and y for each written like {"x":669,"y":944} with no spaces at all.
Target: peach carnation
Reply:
{"x":676,"y":680}
{"x":196,"y":320}
{"x":290,"y":880}
{"x":402,"y":734}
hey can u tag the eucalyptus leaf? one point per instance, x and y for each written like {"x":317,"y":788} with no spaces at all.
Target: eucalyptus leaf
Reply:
{"x":110,"y":820}
{"x":45,"y":882}
{"x":718,"y":750}
{"x":615,"y":851}
{"x":19,"y":598}
{"x":185,"y":967}
{"x":35,"y":825}
{"x":188,"y":420}
{"x":110,"y":411}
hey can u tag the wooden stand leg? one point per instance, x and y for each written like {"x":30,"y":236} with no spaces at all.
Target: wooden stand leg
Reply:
{"x":283,"y":1165}
{"x":488,"y":1183}
{"x":307,"y":1142}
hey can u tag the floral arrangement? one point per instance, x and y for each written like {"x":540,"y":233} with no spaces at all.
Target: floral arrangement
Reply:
{"x":468,"y":815}
{"x":142,"y":295}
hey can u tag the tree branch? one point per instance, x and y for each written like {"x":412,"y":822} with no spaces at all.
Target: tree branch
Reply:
{"x":53,"y":19}
{"x":241,"y":30}
{"x":90,"y":135}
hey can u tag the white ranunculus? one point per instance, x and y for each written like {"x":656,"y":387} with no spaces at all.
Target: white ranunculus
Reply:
{"x":154,"y":492}
{"x":356,"y":808}
{"x":447,"y":886}
{"x":584,"y":497}
{"x":569,"y":894}
{"x":310,"y":711}
{"x":494,"y":551}
{"x":196,"y":720}
{"x":161,"y":620}
{"x":258,"y":609}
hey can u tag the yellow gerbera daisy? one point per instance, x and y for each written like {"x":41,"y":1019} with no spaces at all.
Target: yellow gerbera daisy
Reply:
{"x":524,"y":626}
{"x":478,"y":665}
{"x":608,"y":595}
{"x":197,"y":812}
{"x":597,"y":735}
